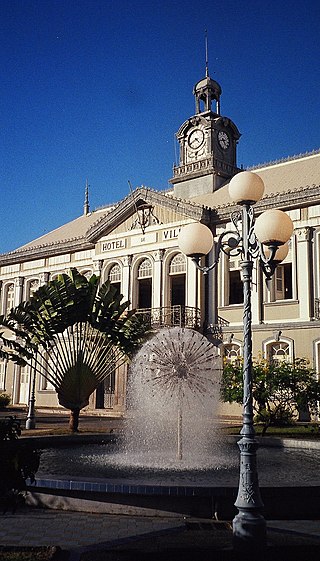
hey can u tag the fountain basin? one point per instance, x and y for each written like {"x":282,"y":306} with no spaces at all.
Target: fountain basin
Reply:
{"x":294,"y":494}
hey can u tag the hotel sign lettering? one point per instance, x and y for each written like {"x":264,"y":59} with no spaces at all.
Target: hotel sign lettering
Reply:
{"x":113,"y":244}
{"x":171,"y":233}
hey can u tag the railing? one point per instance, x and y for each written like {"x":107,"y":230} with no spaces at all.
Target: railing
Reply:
{"x":317,"y":308}
{"x":181,"y":316}
{"x":215,"y":329}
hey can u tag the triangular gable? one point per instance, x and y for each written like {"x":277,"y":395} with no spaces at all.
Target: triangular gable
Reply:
{"x":83,"y":232}
{"x":160,"y":207}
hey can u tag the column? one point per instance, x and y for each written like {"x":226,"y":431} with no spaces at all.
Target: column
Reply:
{"x":18,"y":290}
{"x":211,"y":287}
{"x":256,"y":295}
{"x":304,"y":273}
{"x":157,"y":285}
{"x":44,"y":278}
{"x":192,"y":285}
{"x":97,"y":267}
{"x":126,"y":274}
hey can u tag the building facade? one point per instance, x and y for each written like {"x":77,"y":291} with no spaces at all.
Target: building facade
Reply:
{"x":134,"y":245}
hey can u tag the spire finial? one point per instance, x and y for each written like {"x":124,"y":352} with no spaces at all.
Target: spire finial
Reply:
{"x":206,"y":44}
{"x":86,"y":206}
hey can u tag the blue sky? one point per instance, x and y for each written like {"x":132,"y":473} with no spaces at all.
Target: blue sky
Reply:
{"x":97,"y":88}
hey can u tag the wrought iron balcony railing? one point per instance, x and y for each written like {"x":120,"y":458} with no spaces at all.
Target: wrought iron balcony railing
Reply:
{"x":317,"y":308}
{"x":216,"y":328}
{"x":181,"y":316}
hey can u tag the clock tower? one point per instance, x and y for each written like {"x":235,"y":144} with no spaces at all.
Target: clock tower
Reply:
{"x":208,"y":143}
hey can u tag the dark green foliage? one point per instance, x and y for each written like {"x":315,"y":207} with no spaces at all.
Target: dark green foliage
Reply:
{"x":75,"y":333}
{"x":280,"y":390}
{"x":19,"y":462}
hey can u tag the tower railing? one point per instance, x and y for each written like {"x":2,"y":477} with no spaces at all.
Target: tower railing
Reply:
{"x":171,"y":316}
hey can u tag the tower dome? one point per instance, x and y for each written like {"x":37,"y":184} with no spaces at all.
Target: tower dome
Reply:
{"x":207,"y":90}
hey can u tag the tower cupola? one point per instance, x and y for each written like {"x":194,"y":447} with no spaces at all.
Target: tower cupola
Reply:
{"x":207,"y":91}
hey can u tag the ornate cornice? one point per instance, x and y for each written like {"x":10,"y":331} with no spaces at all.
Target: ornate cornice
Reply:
{"x":45,"y":250}
{"x":285,"y":200}
{"x":106,"y":223}
{"x":284,"y":160}
{"x":141,"y":197}
{"x":205,"y":166}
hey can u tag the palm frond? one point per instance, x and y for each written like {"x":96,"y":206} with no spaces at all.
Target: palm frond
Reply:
{"x":77,"y":333}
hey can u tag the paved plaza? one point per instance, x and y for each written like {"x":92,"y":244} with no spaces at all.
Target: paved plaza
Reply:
{"x":78,"y":532}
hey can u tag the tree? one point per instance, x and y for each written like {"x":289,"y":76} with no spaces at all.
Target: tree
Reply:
{"x":280,"y":389}
{"x":75,"y":333}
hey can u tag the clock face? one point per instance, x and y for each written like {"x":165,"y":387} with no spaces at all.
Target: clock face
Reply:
{"x":196,"y":138}
{"x":223,"y":140}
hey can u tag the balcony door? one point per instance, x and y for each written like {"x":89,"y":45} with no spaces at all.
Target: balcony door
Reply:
{"x":145,"y":284}
{"x":177,"y":276}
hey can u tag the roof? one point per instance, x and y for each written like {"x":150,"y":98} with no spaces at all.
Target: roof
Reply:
{"x":83,"y":232}
{"x":72,"y":230}
{"x":291,"y":182}
{"x":292,"y":174}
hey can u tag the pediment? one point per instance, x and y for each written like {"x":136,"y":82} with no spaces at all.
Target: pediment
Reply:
{"x":143,"y":208}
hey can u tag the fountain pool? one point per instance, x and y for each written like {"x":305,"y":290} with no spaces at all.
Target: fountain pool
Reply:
{"x":278,"y":466}
{"x":172,"y":457}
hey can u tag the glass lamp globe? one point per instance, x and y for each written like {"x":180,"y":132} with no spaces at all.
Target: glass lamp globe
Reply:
{"x":246,"y":188}
{"x":195,"y":240}
{"x":280,"y":254}
{"x":273,"y":227}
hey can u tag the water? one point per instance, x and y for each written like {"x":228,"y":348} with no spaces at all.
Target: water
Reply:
{"x":276,"y":467}
{"x":173,"y":401}
{"x":171,"y":435}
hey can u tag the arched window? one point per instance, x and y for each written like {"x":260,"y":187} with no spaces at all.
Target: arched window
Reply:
{"x":232,"y":352}
{"x":9,"y":298}
{"x":114,"y":276}
{"x":177,"y":264}
{"x":145,"y":284}
{"x":32,"y":287}
{"x":145,"y":269}
{"x":235,"y":282}
{"x":115,"y":273}
{"x":177,"y":281}
{"x":278,"y":351}
{"x":316,"y":353}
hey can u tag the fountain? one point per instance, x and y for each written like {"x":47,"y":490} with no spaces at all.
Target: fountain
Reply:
{"x":173,"y":403}
{"x":172,"y":458}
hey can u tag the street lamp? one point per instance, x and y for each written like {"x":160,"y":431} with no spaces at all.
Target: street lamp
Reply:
{"x":31,"y":417}
{"x":263,"y":239}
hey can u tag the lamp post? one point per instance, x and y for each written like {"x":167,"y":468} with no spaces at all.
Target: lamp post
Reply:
{"x":31,"y":417}
{"x":263,"y":239}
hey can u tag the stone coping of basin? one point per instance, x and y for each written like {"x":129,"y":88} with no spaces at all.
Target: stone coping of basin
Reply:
{"x":134,"y":487}
{"x":101,"y":438}
{"x":126,"y":487}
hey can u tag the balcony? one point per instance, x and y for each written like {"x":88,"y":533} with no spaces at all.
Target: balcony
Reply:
{"x":172,"y":316}
{"x":216,"y":329}
{"x":317,"y":308}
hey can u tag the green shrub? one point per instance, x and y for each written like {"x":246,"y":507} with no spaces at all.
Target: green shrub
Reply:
{"x":4,"y":399}
{"x":19,"y":462}
{"x":281,"y":391}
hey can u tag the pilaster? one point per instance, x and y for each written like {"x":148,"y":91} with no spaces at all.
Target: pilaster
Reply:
{"x":18,"y":290}
{"x":256,"y":295}
{"x":126,"y":273}
{"x":304,"y":272}
{"x":157,"y":279}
